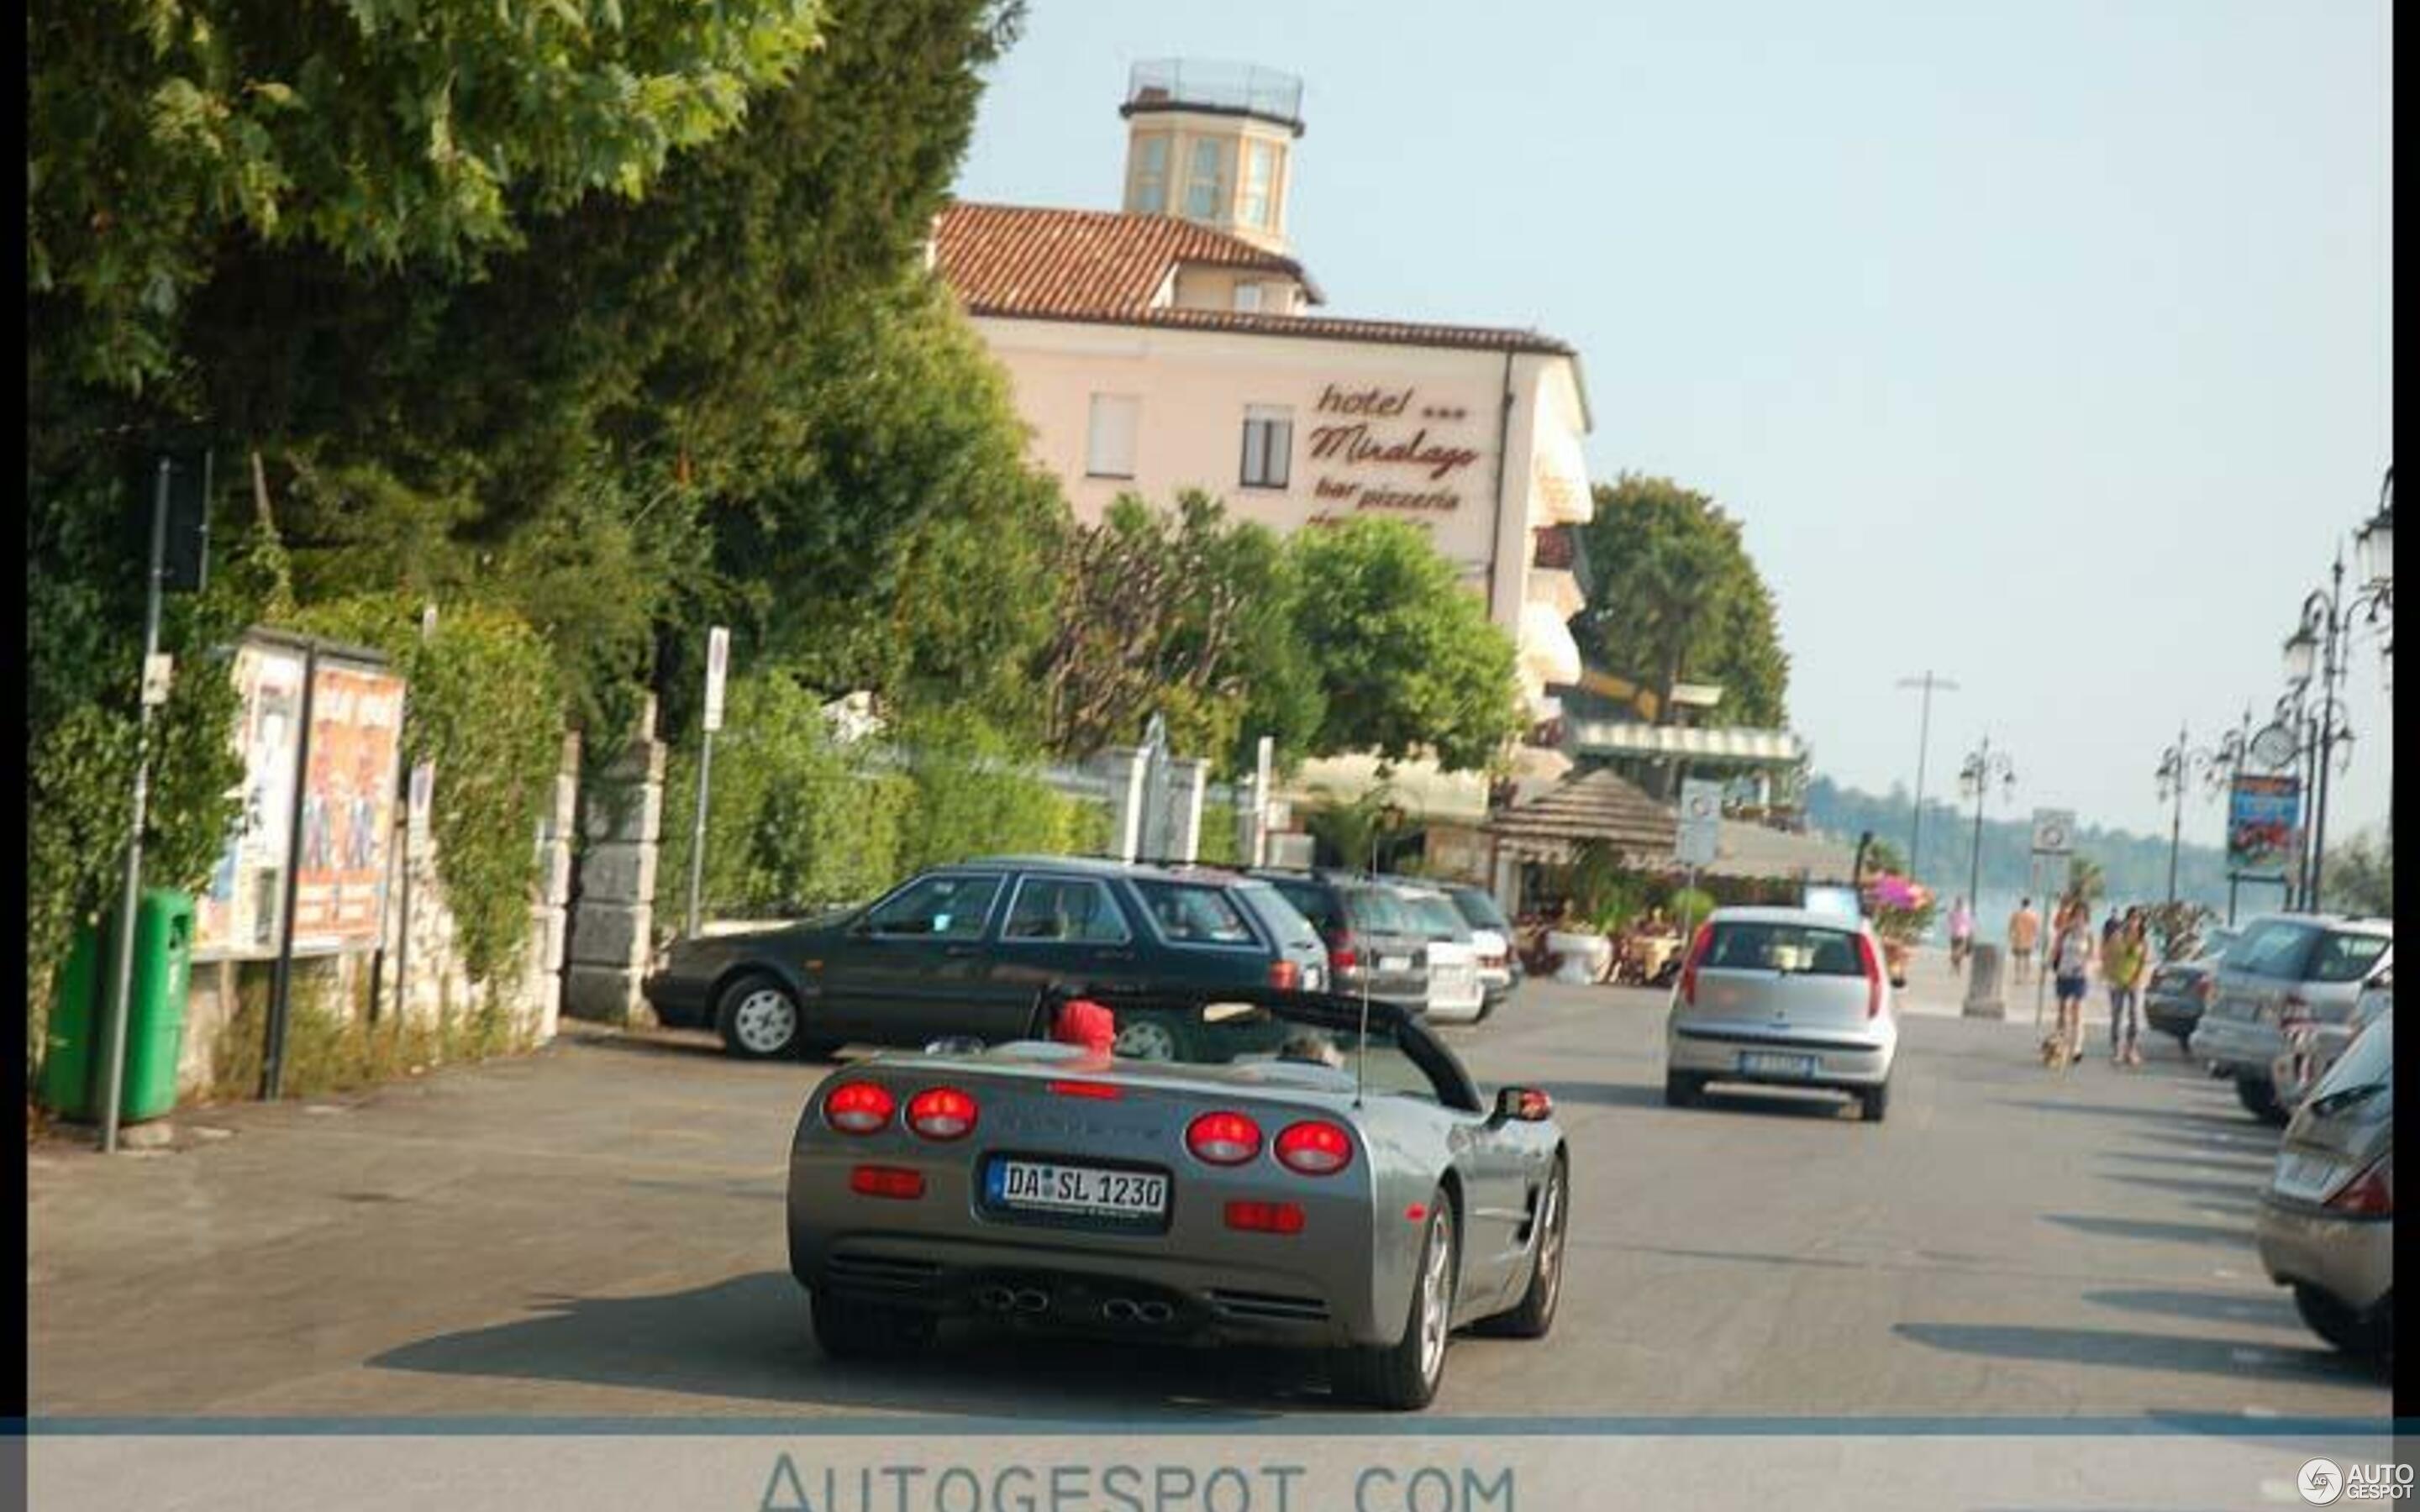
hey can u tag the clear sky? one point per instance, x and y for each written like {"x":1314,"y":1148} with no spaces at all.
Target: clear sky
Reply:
{"x":2043,"y":345}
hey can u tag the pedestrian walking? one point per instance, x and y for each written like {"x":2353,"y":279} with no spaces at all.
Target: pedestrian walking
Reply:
{"x":1962,"y":934}
{"x":2124,"y":961}
{"x":2025,"y":932}
{"x":2070,"y":964}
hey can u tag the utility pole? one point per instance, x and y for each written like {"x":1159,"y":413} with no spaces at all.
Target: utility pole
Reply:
{"x":1982,"y":765}
{"x":1930,"y":683}
{"x":121,"y":998}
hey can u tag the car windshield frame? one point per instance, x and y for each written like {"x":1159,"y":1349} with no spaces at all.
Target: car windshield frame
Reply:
{"x":2275,"y":949}
{"x":1769,"y":957}
{"x":2368,"y":1061}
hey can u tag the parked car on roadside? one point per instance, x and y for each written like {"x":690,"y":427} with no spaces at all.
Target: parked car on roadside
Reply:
{"x":1373,"y":943}
{"x":2326,"y":1227}
{"x":1455,"y":994}
{"x":2284,"y":966}
{"x":2313,"y":1045}
{"x":1499,"y":966}
{"x":963,"y":951}
{"x":2179,"y":990}
{"x":1782,"y":997}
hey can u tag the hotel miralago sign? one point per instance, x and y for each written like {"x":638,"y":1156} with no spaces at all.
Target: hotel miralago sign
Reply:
{"x":1387,"y":448}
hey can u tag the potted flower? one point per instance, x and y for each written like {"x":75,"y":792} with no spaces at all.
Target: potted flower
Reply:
{"x":1901,"y":910}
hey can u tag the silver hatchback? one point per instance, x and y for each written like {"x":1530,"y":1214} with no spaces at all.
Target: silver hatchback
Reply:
{"x":2327,"y":1223}
{"x":1782,"y":997}
{"x":2284,"y":966}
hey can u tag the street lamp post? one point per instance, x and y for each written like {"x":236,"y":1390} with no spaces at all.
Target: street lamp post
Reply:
{"x":1975,"y":777}
{"x":1931,"y":684}
{"x":2177,"y":765}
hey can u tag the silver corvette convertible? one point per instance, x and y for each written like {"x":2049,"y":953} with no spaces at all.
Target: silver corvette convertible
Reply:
{"x":1278,"y":1167}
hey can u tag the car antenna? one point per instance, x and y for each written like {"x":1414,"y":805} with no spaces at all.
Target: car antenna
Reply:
{"x":1362,"y":1052}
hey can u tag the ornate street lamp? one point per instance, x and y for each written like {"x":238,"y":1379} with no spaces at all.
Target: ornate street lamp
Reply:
{"x":2177,"y":765}
{"x":1974,"y":777}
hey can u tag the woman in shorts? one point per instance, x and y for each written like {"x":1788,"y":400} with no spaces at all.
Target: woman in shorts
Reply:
{"x":2070,"y":964}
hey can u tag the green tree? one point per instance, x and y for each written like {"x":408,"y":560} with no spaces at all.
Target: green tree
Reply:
{"x":1182,"y":613}
{"x":388,"y":133}
{"x":2359,"y":878}
{"x":1407,"y":661}
{"x":1677,"y":598}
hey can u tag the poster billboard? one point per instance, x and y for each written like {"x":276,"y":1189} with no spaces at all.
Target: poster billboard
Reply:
{"x":349,"y":792}
{"x":2264,"y":818}
{"x":356,"y":722}
{"x":236,"y":916}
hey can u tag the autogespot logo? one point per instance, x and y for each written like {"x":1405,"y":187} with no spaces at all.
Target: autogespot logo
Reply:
{"x":2320,"y":1482}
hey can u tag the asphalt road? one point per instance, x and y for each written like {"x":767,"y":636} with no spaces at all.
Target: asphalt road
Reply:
{"x":595,"y":1230}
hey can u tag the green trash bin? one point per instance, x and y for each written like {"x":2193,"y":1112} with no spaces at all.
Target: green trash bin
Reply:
{"x":155,"y":1024}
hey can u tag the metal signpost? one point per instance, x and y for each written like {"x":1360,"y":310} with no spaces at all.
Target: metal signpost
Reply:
{"x":2054,"y":835}
{"x":1701,"y":822}
{"x":718,"y":661}
{"x":191,"y":565}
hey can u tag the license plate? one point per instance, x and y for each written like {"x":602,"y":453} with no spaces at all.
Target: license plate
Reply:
{"x":1042,"y":1186}
{"x":1394,"y":963}
{"x":2306,"y":1178}
{"x":1766,"y":1063}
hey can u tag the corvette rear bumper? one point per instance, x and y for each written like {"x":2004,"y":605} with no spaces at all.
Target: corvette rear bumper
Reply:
{"x":1050,"y":1285}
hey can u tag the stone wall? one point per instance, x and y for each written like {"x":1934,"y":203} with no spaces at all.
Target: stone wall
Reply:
{"x":613,"y":918}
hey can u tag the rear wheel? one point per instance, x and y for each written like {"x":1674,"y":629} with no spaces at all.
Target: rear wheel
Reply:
{"x":758,"y":1018}
{"x":1876,"y":1101}
{"x":1402,"y":1376}
{"x":851,"y":1330}
{"x":2341,"y":1326}
{"x":1681,"y":1089}
{"x":2259,"y":1099}
{"x":1535,"y":1313}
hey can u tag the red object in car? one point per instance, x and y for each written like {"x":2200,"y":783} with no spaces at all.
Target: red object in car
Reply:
{"x":1083,"y":1022}
{"x":1341,"y":956}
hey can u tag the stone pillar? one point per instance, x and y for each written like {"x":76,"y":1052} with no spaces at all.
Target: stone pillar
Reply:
{"x":1188,"y":783}
{"x":621,"y":819}
{"x":550,"y":917}
{"x":1250,"y":809}
{"x":1124,"y":768}
{"x":1983,"y":999}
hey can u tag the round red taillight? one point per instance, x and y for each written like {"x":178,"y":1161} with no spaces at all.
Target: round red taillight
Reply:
{"x":1223,"y":1139}
{"x":858,"y":1107}
{"x":942,"y":1113}
{"x":1314,"y":1148}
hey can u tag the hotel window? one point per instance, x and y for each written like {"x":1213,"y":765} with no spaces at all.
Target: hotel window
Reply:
{"x":1110,"y":446}
{"x":1150,"y":176}
{"x":1205,"y":184}
{"x":1248,"y":297}
{"x":1268,"y":446}
{"x":1260,"y":174}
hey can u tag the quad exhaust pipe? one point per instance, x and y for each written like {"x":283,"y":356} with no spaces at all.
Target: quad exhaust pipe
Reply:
{"x":1126,"y":1310}
{"x":1019,"y":1300}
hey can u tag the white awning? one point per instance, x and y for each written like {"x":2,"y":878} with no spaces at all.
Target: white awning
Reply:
{"x":1761,"y":748}
{"x":1558,"y":480}
{"x":1547,"y":650}
{"x":1557,"y":589}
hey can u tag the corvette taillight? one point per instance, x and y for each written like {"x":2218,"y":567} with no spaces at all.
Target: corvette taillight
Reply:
{"x":1223,"y":1139}
{"x":858,"y":1107}
{"x":942,"y":1113}
{"x":1314,"y":1148}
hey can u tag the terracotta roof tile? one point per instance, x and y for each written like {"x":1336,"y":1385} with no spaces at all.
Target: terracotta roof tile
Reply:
{"x":1017,"y":262}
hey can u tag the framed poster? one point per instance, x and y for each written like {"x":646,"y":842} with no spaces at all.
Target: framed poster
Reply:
{"x":236,"y":918}
{"x":2264,"y":824}
{"x":349,"y":792}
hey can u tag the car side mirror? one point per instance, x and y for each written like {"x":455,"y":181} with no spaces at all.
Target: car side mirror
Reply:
{"x":1523,"y":1104}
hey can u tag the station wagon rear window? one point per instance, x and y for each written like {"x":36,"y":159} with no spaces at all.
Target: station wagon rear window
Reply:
{"x":1800,"y":949}
{"x":2347,"y":957}
{"x":1188,"y":914}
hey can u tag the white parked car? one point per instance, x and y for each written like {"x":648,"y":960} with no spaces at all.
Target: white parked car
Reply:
{"x":1782,"y":997}
{"x":1456,"y":995}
